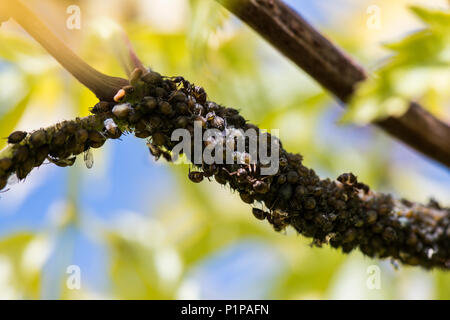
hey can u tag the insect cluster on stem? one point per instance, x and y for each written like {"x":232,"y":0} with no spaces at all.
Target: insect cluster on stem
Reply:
{"x":344,"y":213}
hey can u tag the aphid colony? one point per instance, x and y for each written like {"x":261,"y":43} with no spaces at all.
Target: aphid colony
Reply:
{"x":343,"y":212}
{"x":58,"y":145}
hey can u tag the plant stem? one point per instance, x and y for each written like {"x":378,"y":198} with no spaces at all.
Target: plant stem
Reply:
{"x":103,"y":86}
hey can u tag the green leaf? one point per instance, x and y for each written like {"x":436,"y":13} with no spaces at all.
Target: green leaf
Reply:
{"x":133,"y":269}
{"x":15,"y":47}
{"x":419,"y":71}
{"x":438,"y":19}
{"x":17,"y":259}
{"x":10,"y":119}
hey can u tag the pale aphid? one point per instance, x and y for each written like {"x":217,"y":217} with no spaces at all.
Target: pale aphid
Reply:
{"x":12,"y":180}
{"x":122,"y":110}
{"x":88,"y":159}
{"x":109,"y":124}
{"x":111,"y":129}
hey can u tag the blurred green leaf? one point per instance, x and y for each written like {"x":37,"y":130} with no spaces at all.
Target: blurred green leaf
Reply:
{"x":16,"y":47}
{"x":419,"y":71}
{"x":10,"y":119}
{"x":437,"y":19}
{"x":133,"y":270}
{"x":17,"y":253}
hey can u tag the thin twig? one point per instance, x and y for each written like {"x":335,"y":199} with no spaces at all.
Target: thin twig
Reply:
{"x":103,"y":86}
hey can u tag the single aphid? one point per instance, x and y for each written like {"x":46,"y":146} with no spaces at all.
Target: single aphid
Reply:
{"x":292,"y":177}
{"x":81,"y":135}
{"x":191,"y":102}
{"x":182,"y":108}
{"x":165,"y":107}
{"x":212,"y":106}
{"x":122,"y":110}
{"x":261,"y":187}
{"x":215,"y":121}
{"x":157,"y":152}
{"x":182,"y":122}
{"x":38,"y":138}
{"x":310,"y":203}
{"x":25,"y":168}
{"x":283,"y":162}
{"x":142,"y":134}
{"x":220,"y":179}
{"x":70,"y":127}
{"x":111,"y":128}
{"x":63,"y":162}
{"x":195,"y":176}
{"x":281,"y":179}
{"x":178,"y":96}
{"x":134,"y":116}
{"x":41,"y":154}
{"x":218,"y":123}
{"x":159,"y":138}
{"x":101,"y":107}
{"x":259,"y":214}
{"x":210,"y":116}
{"x":364,"y":187}
{"x":180,"y":80}
{"x":148,"y":104}
{"x":200,"y":94}
{"x":371,"y":216}
{"x":347,"y":178}
{"x":119,"y":95}
{"x":300,"y":191}
{"x":16,"y":137}
{"x":152,"y":78}
{"x":246,"y":197}
{"x":59,"y":138}
{"x":88,"y":159}
{"x":160,"y":92}
{"x":154,"y":122}
{"x":198,"y":109}
{"x":96,"y":136}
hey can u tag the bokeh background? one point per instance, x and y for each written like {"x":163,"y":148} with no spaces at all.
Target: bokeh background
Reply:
{"x":139,"y":229}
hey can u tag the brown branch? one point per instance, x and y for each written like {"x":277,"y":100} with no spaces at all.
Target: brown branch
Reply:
{"x":344,"y":213}
{"x":293,"y":36}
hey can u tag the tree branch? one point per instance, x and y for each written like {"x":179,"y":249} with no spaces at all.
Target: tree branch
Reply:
{"x":343,"y":213}
{"x":293,"y":36}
